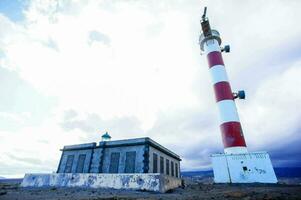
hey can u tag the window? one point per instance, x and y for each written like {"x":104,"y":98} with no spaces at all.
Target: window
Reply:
{"x":69,"y":163}
{"x":114,"y":162}
{"x":177,"y":170}
{"x":155,"y":163}
{"x":130,"y":161}
{"x":161,"y":165}
{"x":80,"y":163}
{"x":167,"y":166}
{"x":172,"y":169}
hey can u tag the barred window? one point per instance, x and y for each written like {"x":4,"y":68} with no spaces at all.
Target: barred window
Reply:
{"x":130,"y":161}
{"x":114,"y":163}
{"x":161,"y":165}
{"x":177,"y":170}
{"x":155,"y":163}
{"x":69,"y":163}
{"x":80,"y":163}
{"x":167,"y":166}
{"x":172,"y":169}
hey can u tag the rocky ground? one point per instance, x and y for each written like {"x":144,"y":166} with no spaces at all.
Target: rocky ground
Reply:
{"x":12,"y":191}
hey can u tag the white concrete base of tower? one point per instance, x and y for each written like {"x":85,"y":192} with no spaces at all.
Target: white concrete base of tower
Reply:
{"x":254,"y":167}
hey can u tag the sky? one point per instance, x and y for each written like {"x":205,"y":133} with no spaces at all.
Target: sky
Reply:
{"x":71,"y":70}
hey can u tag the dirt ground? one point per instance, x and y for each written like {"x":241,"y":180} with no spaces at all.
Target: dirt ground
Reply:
{"x":12,"y":191}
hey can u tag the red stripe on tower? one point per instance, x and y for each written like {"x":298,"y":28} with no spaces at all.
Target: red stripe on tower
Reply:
{"x":232,"y":134}
{"x":222,"y":91}
{"x":215,"y":58}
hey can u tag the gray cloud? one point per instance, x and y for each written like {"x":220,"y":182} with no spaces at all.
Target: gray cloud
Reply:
{"x":96,"y":36}
{"x":94,"y":125}
{"x":52,"y":44}
{"x":19,"y":99}
{"x":70,"y":114}
{"x":287,"y":153}
{"x":272,"y":61}
{"x":33,"y":161}
{"x":192,"y":134}
{"x":25,"y":165}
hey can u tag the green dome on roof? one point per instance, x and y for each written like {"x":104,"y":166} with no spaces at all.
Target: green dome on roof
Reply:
{"x":106,"y":136}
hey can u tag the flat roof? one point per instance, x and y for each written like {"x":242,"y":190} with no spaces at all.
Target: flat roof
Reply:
{"x":120,"y":143}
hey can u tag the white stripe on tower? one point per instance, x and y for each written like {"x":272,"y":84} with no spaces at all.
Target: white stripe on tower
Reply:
{"x":218,"y":74}
{"x":236,"y":150}
{"x":211,"y":45}
{"x":228,"y":111}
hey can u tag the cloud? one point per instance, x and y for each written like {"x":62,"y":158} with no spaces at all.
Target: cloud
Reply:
{"x":271,"y":114}
{"x":287,"y":152}
{"x":95,"y":36}
{"x":20,"y":103}
{"x":52,"y":44}
{"x":95,"y":126}
{"x":32,"y":161}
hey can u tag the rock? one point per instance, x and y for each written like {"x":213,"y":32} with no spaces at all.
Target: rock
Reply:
{"x":235,"y":195}
{"x":268,"y":197}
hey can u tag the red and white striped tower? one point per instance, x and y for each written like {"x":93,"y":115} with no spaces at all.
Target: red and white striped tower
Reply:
{"x":232,"y":134}
{"x":236,"y":165}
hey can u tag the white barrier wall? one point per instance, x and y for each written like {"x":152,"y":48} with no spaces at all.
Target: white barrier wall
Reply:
{"x":150,"y":182}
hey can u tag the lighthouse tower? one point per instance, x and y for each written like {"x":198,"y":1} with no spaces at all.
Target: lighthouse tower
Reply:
{"x":236,"y":164}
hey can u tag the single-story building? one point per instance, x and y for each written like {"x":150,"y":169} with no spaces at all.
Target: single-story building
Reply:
{"x":140,"y":155}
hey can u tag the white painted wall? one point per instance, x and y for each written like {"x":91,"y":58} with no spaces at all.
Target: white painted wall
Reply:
{"x":151,"y":182}
{"x":220,"y":168}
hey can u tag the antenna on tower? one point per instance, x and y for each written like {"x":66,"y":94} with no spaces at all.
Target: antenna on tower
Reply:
{"x":204,"y":14}
{"x":205,"y":24}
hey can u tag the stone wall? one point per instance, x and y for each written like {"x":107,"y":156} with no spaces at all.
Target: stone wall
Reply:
{"x":122,"y":160}
{"x":165,"y":157}
{"x":76,"y":154}
{"x":96,"y":160}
